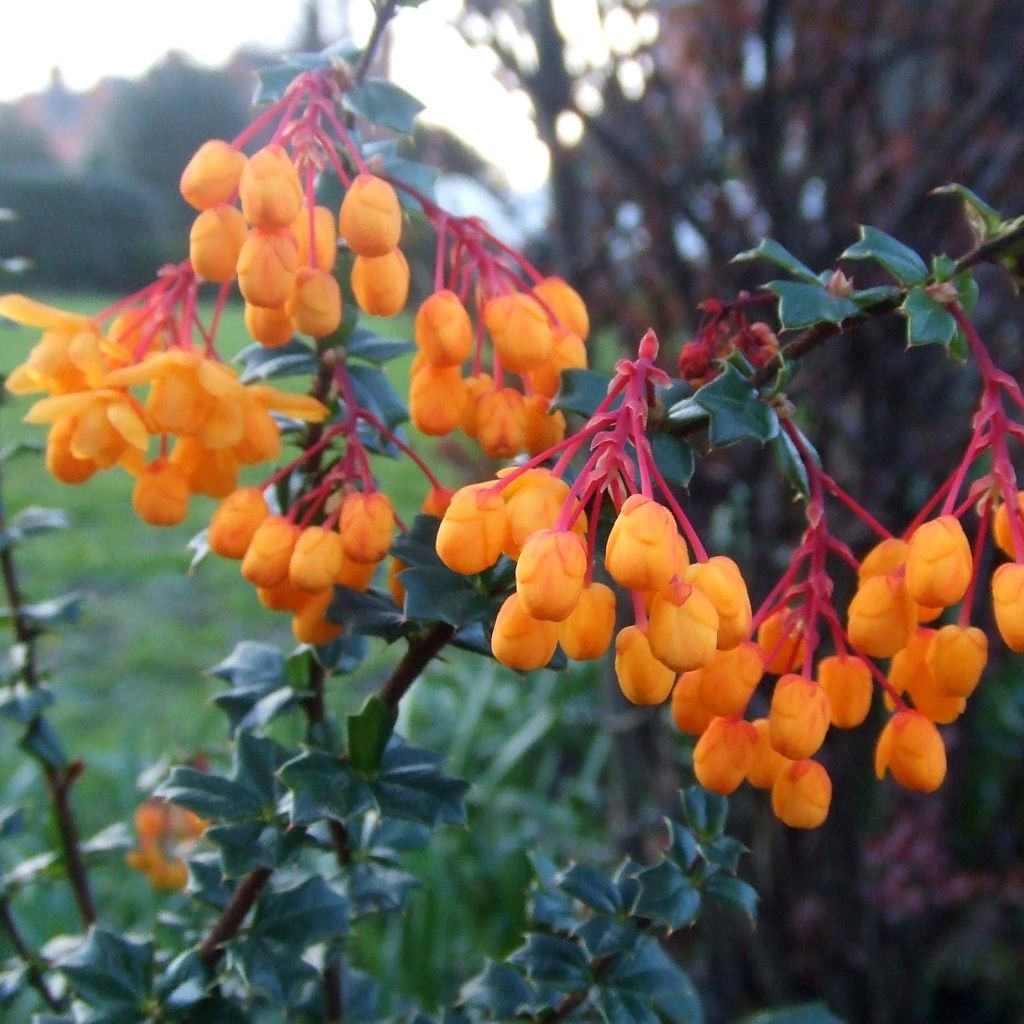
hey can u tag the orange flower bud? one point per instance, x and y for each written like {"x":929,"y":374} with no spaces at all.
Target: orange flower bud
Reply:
{"x":473,"y":530}
{"x":939,"y":563}
{"x":310,"y":624}
{"x":324,"y":238}
{"x":688,"y":711}
{"x":720,"y":579}
{"x":730,"y":677}
{"x":801,"y":795}
{"x":314,"y":302}
{"x":270,"y":189}
{"x":477,"y":385}
{"x":911,"y":747}
{"x":567,"y":353}
{"x":883,"y":559}
{"x":215,"y":242}
{"x":1001,"y":526}
{"x":587,"y":633}
{"x":767,"y":762}
{"x":209,"y":471}
{"x":211,"y":177}
{"x":542,"y":429}
{"x":549,"y":574}
{"x":151,"y":820}
{"x":169,"y":875}
{"x":366,"y":525}
{"x":520,"y":329}
{"x":61,"y":462}
{"x":910,"y":673}
{"x":501,"y":422}
{"x":285,"y":597}
{"x":643,"y":679}
{"x":395,"y":586}
{"x":1008,"y":604}
{"x":781,"y":637}
{"x":683,"y":627}
{"x":370,"y":219}
{"x":235,"y":521}
{"x":381,"y":283}
{"x":519,"y":640}
{"x":881,"y":617}
{"x":266,"y":559}
{"x":643,"y":545}
{"x":723,"y":754}
{"x":956,"y":657}
{"x":270,"y":327}
{"x":160,"y":496}
{"x":437,"y":398}
{"x":444,"y":332}
{"x":847,"y":682}
{"x":437,"y":501}
{"x":799,"y":716}
{"x":534,"y":502}
{"x":261,"y":436}
{"x":565,"y":302}
{"x":315,"y":559}
{"x":355,"y":575}
{"x":266,"y":267}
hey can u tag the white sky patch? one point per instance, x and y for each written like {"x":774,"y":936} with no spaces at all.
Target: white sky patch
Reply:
{"x":124,"y":38}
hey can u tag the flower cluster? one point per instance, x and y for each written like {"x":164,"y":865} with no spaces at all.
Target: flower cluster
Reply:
{"x":165,"y":834}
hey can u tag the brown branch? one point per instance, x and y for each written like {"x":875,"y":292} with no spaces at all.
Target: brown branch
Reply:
{"x":58,"y":781}
{"x":34,"y":971}
{"x":384,"y":15}
{"x":232,"y":917}
{"x":420,"y":653}
{"x":334,"y":1005}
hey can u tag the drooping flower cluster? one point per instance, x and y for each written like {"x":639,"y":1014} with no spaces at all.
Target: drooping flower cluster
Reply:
{"x":165,"y":835}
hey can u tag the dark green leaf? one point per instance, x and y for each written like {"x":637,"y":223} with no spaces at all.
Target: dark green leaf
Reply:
{"x":674,"y":458}
{"x":364,"y":344}
{"x":323,"y":786}
{"x":807,"y":1013}
{"x":866,"y":297}
{"x":788,"y":458}
{"x":56,"y":611}
{"x":667,"y":896}
{"x":928,"y":321}
{"x":251,"y":663}
{"x":421,"y":177}
{"x":21,"y":703}
{"x":210,"y":796}
{"x":581,"y":391}
{"x":603,"y":935}
{"x":248,"y":845}
{"x":683,"y":848}
{"x":382,"y":102}
{"x":374,"y":392}
{"x":769,"y":249}
{"x":373,"y":888}
{"x":30,"y":870}
{"x":369,"y":613}
{"x":725,"y":852}
{"x":109,"y":971}
{"x":33,"y":520}
{"x":345,"y":654}
{"x":411,"y":785}
{"x":801,"y":305}
{"x":255,"y":764}
{"x":207,"y":883}
{"x":12,"y":821}
{"x":553,"y":961}
{"x":591,"y":887}
{"x":651,"y":975}
{"x":435,"y":593}
{"x":705,"y":811}
{"x":41,"y":741}
{"x":271,"y":969}
{"x":13,"y":982}
{"x":293,"y":359}
{"x":499,"y":991}
{"x":984,"y":221}
{"x":302,"y":915}
{"x":900,"y":260}
{"x":368,"y":734}
{"x":272,"y":83}
{"x":735,"y":410}
{"x":734,"y":892}
{"x":114,"y":837}
{"x":418,"y":545}
{"x":185,"y":981}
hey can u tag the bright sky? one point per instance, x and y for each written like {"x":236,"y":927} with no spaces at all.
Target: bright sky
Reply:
{"x":89,"y":40}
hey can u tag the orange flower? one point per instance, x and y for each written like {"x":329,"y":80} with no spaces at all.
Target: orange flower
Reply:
{"x":549,"y":574}
{"x":473,"y":530}
{"x":270,"y":189}
{"x":370,"y":219}
{"x":939,"y":563}
{"x":847,"y":682}
{"x":444,"y":332}
{"x":799,"y":716}
{"x":211,"y":177}
{"x":642,"y":549}
{"x":235,"y":521}
{"x":911,"y":747}
{"x":642,"y":678}
{"x":381,"y":283}
{"x":802,"y":794}
{"x":683,"y":627}
{"x":519,"y":640}
{"x":587,"y":633}
{"x":724,"y":753}
{"x":161,"y":494}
